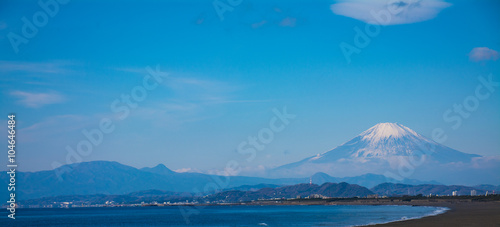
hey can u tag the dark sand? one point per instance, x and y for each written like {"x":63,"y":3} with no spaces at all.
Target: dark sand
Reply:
{"x":461,"y":214}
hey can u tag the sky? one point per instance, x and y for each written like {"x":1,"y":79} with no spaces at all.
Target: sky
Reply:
{"x":202,"y":77}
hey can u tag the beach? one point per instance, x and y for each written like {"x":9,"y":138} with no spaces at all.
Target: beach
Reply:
{"x":460,"y":214}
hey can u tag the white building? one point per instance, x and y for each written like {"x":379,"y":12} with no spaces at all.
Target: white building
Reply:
{"x":473,"y":192}
{"x":454,"y":193}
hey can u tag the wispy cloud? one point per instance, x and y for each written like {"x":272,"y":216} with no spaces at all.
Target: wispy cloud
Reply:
{"x":184,"y":82}
{"x":56,"y":126}
{"x":258,"y":24}
{"x":51,"y":121}
{"x":190,"y":97}
{"x":483,"y":54}
{"x":54,"y":67}
{"x":247,"y":101}
{"x":200,"y":90}
{"x":37,"y":100}
{"x":400,"y":12}
{"x":288,"y":22}
{"x":3,"y":25}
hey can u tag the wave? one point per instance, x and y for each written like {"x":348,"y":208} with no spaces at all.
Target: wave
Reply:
{"x":438,"y":211}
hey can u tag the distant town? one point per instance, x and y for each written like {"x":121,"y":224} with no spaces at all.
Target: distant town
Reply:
{"x":326,"y":193}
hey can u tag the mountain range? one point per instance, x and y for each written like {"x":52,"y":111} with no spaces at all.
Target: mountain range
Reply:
{"x":113,"y":178}
{"x":385,"y":153}
{"x":291,"y":191}
{"x":303,"y":190}
{"x":389,"y":189}
{"x":260,"y":192}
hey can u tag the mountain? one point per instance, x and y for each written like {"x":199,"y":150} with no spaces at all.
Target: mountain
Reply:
{"x":113,"y":178}
{"x":104,"y":177}
{"x":159,"y":169}
{"x":327,"y":189}
{"x":131,"y":198}
{"x":390,"y":189}
{"x":488,"y":187}
{"x":367,"y":180}
{"x":253,"y":187}
{"x":392,"y":150}
{"x":387,"y":140}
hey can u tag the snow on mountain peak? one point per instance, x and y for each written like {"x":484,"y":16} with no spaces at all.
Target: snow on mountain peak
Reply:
{"x":383,"y":131}
{"x":385,"y":144}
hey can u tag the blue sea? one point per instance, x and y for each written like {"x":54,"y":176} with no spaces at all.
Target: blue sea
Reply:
{"x":340,"y":215}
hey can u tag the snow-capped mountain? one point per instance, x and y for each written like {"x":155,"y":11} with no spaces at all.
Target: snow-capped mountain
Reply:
{"x":382,"y":144}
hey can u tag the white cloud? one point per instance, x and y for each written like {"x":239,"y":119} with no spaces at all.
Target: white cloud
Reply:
{"x":390,"y":12}
{"x":54,"y":67}
{"x":288,"y":22}
{"x":36,"y":100}
{"x":483,"y":54}
{"x":188,"y":170}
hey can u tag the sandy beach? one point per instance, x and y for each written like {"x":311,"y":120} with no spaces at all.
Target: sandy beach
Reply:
{"x":460,"y":214}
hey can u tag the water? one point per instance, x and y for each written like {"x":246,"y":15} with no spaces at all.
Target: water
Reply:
{"x":344,"y":215}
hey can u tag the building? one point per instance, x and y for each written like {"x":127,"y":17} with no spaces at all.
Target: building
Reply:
{"x":454,"y":193}
{"x":317,"y":196}
{"x":473,"y":192}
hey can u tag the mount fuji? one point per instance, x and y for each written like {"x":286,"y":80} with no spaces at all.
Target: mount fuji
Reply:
{"x":382,"y":149}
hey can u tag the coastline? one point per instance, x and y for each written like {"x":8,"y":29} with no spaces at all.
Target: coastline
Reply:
{"x":459,"y":214}
{"x":440,"y":210}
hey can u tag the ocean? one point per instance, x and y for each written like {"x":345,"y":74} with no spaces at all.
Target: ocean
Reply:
{"x":296,"y":215}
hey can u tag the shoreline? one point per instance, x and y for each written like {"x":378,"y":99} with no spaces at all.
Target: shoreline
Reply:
{"x":459,"y":214}
{"x":442,"y":210}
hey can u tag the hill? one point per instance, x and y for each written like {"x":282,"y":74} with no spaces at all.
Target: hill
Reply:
{"x":303,"y":190}
{"x":390,"y":189}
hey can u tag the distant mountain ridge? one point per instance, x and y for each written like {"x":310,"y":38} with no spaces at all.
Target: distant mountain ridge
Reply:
{"x":303,"y":190}
{"x":488,"y":187}
{"x":253,"y":187}
{"x":367,"y":180}
{"x":384,"y":145}
{"x":261,"y":192}
{"x":292,"y":191}
{"x":105,"y":177}
{"x":113,"y":178}
{"x":159,"y":169}
{"x":390,"y":189}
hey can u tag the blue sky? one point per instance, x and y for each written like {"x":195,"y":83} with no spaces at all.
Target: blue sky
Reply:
{"x":223,"y":76}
